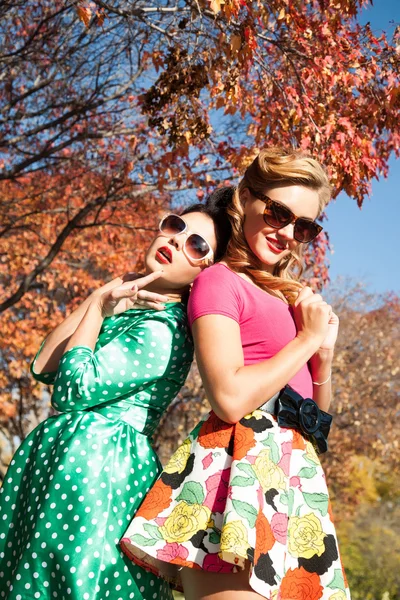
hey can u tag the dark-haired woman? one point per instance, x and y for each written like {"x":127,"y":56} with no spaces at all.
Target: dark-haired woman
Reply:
{"x":78,"y":478}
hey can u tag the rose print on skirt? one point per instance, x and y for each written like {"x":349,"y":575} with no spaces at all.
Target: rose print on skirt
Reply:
{"x":250,"y":493}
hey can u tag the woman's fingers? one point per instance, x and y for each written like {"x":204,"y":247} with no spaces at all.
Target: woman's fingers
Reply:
{"x":152,"y":296}
{"x":142,"y":298}
{"x":126,"y":281}
{"x":131,"y":276}
{"x":307,"y":297}
{"x":306,"y":292}
{"x":333,"y":319}
{"x":148,"y":304}
{"x":123,"y":292}
{"x":318,"y":301}
{"x":147,"y":299}
{"x":143,"y":281}
{"x":129,"y":295}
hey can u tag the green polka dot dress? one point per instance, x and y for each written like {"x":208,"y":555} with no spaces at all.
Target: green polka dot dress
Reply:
{"x":78,"y":478}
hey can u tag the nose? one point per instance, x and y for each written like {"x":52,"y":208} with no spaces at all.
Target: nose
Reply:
{"x":177,"y":241}
{"x":287,"y":232}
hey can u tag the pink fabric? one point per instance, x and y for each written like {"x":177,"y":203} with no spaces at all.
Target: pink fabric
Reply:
{"x":266,"y":323}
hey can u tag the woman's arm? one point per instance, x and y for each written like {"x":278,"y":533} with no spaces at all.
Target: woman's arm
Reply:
{"x":109,"y":302}
{"x":56,"y":342}
{"x":84,"y":377}
{"x":321,"y":365}
{"x":235,"y":390}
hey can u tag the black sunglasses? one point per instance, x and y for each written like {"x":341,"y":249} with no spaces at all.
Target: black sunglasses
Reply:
{"x":278,"y":215}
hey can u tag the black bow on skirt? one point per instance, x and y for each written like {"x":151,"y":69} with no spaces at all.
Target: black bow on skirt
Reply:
{"x":295,"y":412}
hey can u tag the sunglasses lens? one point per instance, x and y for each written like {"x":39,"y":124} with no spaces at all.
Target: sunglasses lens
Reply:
{"x":172,"y":224}
{"x":196,"y":246}
{"x":276,"y":215}
{"x":305,"y":231}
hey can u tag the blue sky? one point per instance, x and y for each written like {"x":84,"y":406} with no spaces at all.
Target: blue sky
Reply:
{"x":366,"y":242}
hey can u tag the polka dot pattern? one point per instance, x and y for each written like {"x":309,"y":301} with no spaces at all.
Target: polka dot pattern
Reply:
{"x":77,"y":480}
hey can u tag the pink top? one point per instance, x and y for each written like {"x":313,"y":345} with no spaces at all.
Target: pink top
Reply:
{"x":266,"y":323}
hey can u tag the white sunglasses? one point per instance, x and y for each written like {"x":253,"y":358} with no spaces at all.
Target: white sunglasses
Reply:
{"x":195,"y":246}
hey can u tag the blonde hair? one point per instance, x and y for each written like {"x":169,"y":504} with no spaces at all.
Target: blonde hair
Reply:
{"x":274,"y":167}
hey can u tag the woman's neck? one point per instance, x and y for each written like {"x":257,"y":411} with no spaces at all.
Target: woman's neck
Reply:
{"x":174,"y":295}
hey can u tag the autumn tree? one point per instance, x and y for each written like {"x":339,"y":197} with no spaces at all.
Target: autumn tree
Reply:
{"x":110,"y":111}
{"x":366,"y":379}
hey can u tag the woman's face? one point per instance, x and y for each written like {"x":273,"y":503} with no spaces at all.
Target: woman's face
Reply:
{"x":268,"y":244}
{"x":166,"y":252}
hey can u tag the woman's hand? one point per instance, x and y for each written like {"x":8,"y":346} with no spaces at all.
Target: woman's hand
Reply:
{"x":128,"y":295}
{"x":329,"y":342}
{"x":315,"y":318}
{"x":60,"y":339}
{"x":312,"y":316}
{"x":321,"y":362}
{"x":144,"y":299}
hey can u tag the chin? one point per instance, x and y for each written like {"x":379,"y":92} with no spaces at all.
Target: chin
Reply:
{"x":267,"y":258}
{"x":151,"y":264}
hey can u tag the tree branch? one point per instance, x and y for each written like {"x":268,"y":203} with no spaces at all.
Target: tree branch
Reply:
{"x":46,"y":261}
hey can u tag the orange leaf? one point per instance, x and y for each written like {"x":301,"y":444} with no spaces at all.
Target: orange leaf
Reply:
{"x":236,"y":43}
{"x":101,"y":15}
{"x":85,"y":14}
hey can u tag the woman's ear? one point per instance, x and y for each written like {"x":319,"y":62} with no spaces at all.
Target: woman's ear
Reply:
{"x":245,"y":196}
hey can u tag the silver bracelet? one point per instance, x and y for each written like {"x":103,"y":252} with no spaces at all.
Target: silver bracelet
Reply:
{"x":323,"y":382}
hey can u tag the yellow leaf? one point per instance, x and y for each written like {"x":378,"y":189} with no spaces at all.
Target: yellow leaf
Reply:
{"x":281,"y":15}
{"x":216,"y":5}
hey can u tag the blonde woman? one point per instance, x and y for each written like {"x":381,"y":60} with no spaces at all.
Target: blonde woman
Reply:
{"x":241,"y":510}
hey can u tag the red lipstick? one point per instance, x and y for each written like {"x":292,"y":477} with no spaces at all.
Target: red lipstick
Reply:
{"x":274,"y":246}
{"x":164,"y":255}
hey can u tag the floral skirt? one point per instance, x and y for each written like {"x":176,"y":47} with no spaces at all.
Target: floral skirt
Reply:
{"x":232,"y":496}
